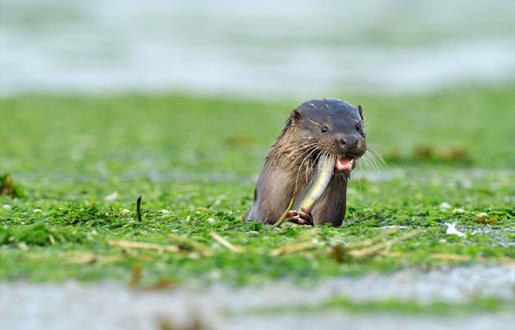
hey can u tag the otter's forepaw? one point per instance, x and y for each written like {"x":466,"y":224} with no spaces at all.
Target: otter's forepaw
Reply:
{"x":302,"y":217}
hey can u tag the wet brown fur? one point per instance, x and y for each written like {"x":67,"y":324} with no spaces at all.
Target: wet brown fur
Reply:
{"x":288,"y":167}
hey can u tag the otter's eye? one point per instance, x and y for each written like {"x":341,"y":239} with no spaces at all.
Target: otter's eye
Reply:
{"x":324,"y":129}
{"x":358,"y":127}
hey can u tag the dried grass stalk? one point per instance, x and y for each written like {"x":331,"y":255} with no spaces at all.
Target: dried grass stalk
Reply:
{"x":293,"y":248}
{"x":225,"y":243}
{"x":382,"y":248}
{"x":189,"y":244}
{"x":144,"y":246}
{"x":373,"y":240}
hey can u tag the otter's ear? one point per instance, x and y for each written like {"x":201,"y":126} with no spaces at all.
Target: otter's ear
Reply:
{"x":360,"y":110}
{"x":295,"y":116}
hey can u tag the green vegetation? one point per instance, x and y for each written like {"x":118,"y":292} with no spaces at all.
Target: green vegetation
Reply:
{"x":388,"y":306}
{"x":82,"y":161}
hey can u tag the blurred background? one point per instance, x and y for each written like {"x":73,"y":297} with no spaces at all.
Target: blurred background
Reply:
{"x":259,"y":49}
{"x":179,"y":101}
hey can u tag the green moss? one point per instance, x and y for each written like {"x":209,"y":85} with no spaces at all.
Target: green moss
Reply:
{"x":487,"y":304}
{"x":39,"y":234}
{"x":197,"y":158}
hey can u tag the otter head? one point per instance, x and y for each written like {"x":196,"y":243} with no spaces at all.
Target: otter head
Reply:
{"x":333,"y":127}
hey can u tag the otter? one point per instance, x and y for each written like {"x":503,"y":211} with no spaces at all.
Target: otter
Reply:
{"x":318,"y":127}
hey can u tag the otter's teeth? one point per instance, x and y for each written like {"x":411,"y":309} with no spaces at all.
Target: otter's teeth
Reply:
{"x":344,"y":164}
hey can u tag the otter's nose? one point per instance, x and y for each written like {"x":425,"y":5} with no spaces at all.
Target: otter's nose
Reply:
{"x":349,"y":142}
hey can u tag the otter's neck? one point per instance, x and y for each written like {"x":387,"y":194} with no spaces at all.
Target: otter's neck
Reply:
{"x":291,"y":154}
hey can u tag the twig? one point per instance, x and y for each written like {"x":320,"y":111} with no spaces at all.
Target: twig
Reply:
{"x":373,"y":240}
{"x":382,"y":248}
{"x":144,"y":246}
{"x":191,"y":244}
{"x":293,"y":248}
{"x":82,"y":258}
{"x":285,"y":214}
{"x":138,"y":207}
{"x":225,"y":243}
{"x":303,"y":242}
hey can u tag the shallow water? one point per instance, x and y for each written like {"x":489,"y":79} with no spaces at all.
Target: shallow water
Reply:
{"x":114,"y":306}
{"x":287,"y":48}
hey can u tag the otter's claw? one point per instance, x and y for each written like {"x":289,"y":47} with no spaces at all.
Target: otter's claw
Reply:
{"x":302,"y":217}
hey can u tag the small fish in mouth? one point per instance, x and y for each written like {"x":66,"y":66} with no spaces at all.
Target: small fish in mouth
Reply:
{"x":343,"y":165}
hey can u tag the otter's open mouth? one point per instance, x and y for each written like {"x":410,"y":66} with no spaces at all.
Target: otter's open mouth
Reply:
{"x":343,"y":165}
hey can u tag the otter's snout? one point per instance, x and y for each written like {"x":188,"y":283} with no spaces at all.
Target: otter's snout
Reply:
{"x":352,"y":144}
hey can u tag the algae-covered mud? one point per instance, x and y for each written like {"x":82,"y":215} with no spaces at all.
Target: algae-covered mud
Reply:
{"x":428,"y":239}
